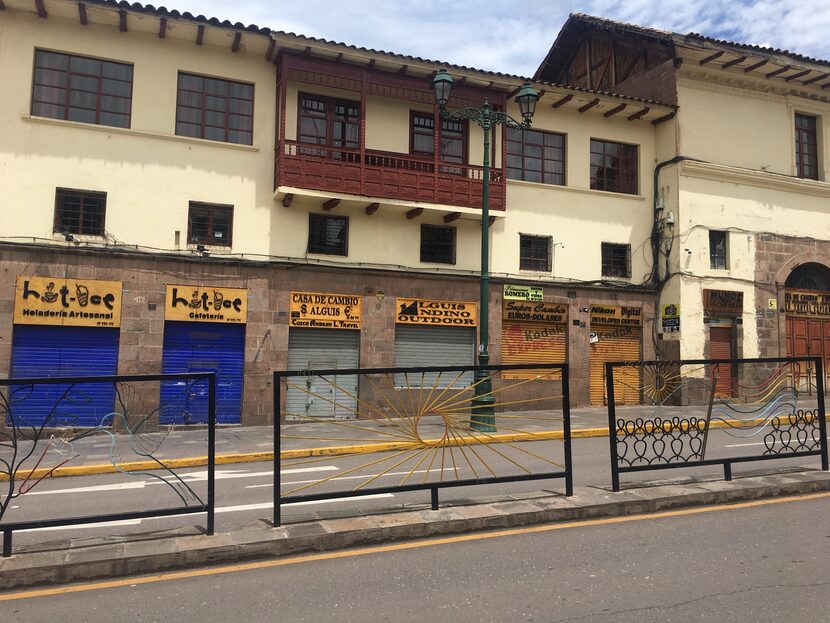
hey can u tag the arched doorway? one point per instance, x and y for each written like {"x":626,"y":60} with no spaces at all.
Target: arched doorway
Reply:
{"x":807,"y":307}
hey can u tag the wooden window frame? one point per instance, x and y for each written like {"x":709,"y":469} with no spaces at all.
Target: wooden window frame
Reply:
{"x":331,"y":118}
{"x":69,"y":74}
{"x":534,"y":262}
{"x":320,"y":250}
{"x":211,"y":209}
{"x":511,"y":142}
{"x":62,"y":194}
{"x":464,"y":135}
{"x":203,"y":109}
{"x":600,"y":178}
{"x":806,"y":137}
{"x":715,"y":258}
{"x":435,"y":229}
{"x":608,"y":250}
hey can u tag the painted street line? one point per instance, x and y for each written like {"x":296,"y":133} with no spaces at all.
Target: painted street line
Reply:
{"x":104,"y":524}
{"x":305,"y":482}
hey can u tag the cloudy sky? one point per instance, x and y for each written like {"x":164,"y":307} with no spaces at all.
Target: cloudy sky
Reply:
{"x":513,"y":36}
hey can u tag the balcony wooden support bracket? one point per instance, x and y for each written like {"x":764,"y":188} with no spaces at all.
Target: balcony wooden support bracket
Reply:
{"x":2,"y":6}
{"x":237,"y":40}
{"x":372,"y":208}
{"x":825,"y":86}
{"x":660,"y":120}
{"x":371,"y":64}
{"x":561,"y":102}
{"x":733,"y":62}
{"x":414,"y":213}
{"x":816,"y":79}
{"x":286,"y":201}
{"x":757,"y":65}
{"x":162,"y":28}
{"x":452,"y":216}
{"x":403,"y":69}
{"x":82,"y":14}
{"x":711,"y":58}
{"x":122,"y":20}
{"x":639,"y":114}
{"x":329,"y":205}
{"x":200,"y":34}
{"x":41,"y":9}
{"x":772,"y":74}
{"x":614,"y":110}
{"x":270,"y":53}
{"x":589,"y":105}
{"x":800,"y":74}
{"x":491,"y":220}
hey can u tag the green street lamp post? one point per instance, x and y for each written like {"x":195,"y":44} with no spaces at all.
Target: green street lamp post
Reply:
{"x":482,"y":410}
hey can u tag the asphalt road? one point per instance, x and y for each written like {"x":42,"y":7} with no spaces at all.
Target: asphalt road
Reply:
{"x":749,"y":563}
{"x":244,"y":491}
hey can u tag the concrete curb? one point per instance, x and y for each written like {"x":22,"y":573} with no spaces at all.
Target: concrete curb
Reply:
{"x":136,"y":557}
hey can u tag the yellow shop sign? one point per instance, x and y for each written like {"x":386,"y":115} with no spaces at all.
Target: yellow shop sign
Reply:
{"x":317,"y":310}
{"x":206,"y":304}
{"x":425,"y":311}
{"x":616,"y":314}
{"x":522,"y":293}
{"x":69,"y":302}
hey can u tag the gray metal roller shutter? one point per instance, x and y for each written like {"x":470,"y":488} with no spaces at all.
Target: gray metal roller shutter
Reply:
{"x":327,"y":397}
{"x":434,"y":346}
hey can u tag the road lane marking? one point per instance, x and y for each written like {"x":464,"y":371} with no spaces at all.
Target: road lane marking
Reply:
{"x":380,"y":549}
{"x":103,"y":524}
{"x":365,"y":476}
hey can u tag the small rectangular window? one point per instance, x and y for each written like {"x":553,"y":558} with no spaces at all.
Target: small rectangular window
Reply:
{"x":613,"y":167}
{"x":328,"y":234}
{"x":535,"y":253}
{"x":535,"y":156}
{"x":806,"y":146}
{"x":718,"y":250}
{"x":616,"y":260}
{"x":77,"y":88}
{"x":215,"y":109}
{"x":80,"y":212}
{"x":438,"y":244}
{"x":209,"y":224}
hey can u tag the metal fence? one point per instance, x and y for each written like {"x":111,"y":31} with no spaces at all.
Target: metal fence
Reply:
{"x":43,"y":436}
{"x":381,"y":431}
{"x":697,"y":405}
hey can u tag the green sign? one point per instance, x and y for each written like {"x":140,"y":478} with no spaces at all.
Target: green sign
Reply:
{"x":522,"y":293}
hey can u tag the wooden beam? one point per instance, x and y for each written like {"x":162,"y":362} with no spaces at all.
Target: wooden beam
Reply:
{"x":237,"y":40}
{"x":711,"y":58}
{"x":162,"y":28}
{"x":772,"y":74}
{"x":372,"y":208}
{"x":307,"y":51}
{"x":733,"y":62}
{"x":269,"y":54}
{"x":589,"y":105}
{"x":339,"y":58}
{"x":403,"y":69}
{"x":756,"y":66}
{"x":615,"y":110}
{"x":491,"y":220}
{"x":513,"y":92}
{"x":2,"y":6}
{"x":816,"y":79}
{"x":414,"y":213}
{"x":200,"y":34}
{"x":800,"y":74}
{"x":331,"y":204}
{"x":660,"y":120}
{"x":561,"y":102}
{"x":82,"y":14}
{"x":371,"y":64}
{"x":286,"y":201}
{"x":452,"y":216}
{"x":638,"y":114}
{"x":122,"y":20}
{"x":41,"y":9}
{"x":825,"y":86}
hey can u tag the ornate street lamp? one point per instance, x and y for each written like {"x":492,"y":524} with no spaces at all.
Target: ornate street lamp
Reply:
{"x":482,"y":410}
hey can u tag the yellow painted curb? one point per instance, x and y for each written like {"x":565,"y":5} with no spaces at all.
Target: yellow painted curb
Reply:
{"x":253,"y":457}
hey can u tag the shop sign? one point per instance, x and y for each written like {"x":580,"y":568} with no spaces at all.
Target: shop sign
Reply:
{"x":671,"y":318}
{"x":616,"y":315}
{"x":315,"y":310}
{"x":69,"y":302}
{"x":426,"y":311}
{"x":535,"y":312}
{"x":522,"y":293}
{"x":806,"y":303}
{"x":206,"y":304}
{"x":723,"y":301}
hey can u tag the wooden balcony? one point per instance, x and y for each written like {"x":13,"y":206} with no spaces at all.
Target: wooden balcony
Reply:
{"x":385,"y":175}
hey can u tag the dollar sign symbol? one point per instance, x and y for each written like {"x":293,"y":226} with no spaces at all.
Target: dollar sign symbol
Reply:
{"x":303,"y":309}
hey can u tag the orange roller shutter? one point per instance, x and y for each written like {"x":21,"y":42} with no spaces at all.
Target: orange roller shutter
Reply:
{"x":533,"y":342}
{"x":615,"y":348}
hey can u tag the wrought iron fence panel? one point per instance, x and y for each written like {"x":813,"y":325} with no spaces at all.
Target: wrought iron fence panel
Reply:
{"x":47,"y":434}
{"x":684,"y":404}
{"x":380,"y":431}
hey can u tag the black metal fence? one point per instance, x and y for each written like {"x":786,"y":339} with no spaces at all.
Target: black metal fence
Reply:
{"x":410,"y":429}
{"x":755,"y":402}
{"x":44,"y":435}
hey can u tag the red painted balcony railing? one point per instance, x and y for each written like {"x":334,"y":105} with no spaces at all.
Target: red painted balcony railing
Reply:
{"x":384,"y":175}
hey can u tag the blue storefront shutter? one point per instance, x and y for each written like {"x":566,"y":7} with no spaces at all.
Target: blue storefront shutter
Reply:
{"x":50,"y":351}
{"x":202,"y":347}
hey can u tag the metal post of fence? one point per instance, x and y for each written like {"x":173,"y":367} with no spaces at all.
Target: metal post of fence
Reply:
{"x":433,"y":498}
{"x":277,"y":450}
{"x":612,"y":425}
{"x":727,"y":471}
{"x":566,"y":415}
{"x":7,"y":543}
{"x":211,"y":475}
{"x":822,"y":423}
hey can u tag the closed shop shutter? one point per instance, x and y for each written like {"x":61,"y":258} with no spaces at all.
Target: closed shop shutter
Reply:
{"x":434,"y":346}
{"x":720,"y":347}
{"x":615,"y":348}
{"x":49,"y":351}
{"x":327,"y":397}
{"x":203,"y":347}
{"x":533,"y":342}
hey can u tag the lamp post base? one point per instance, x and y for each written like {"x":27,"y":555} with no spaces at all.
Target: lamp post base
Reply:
{"x":482,"y":410}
